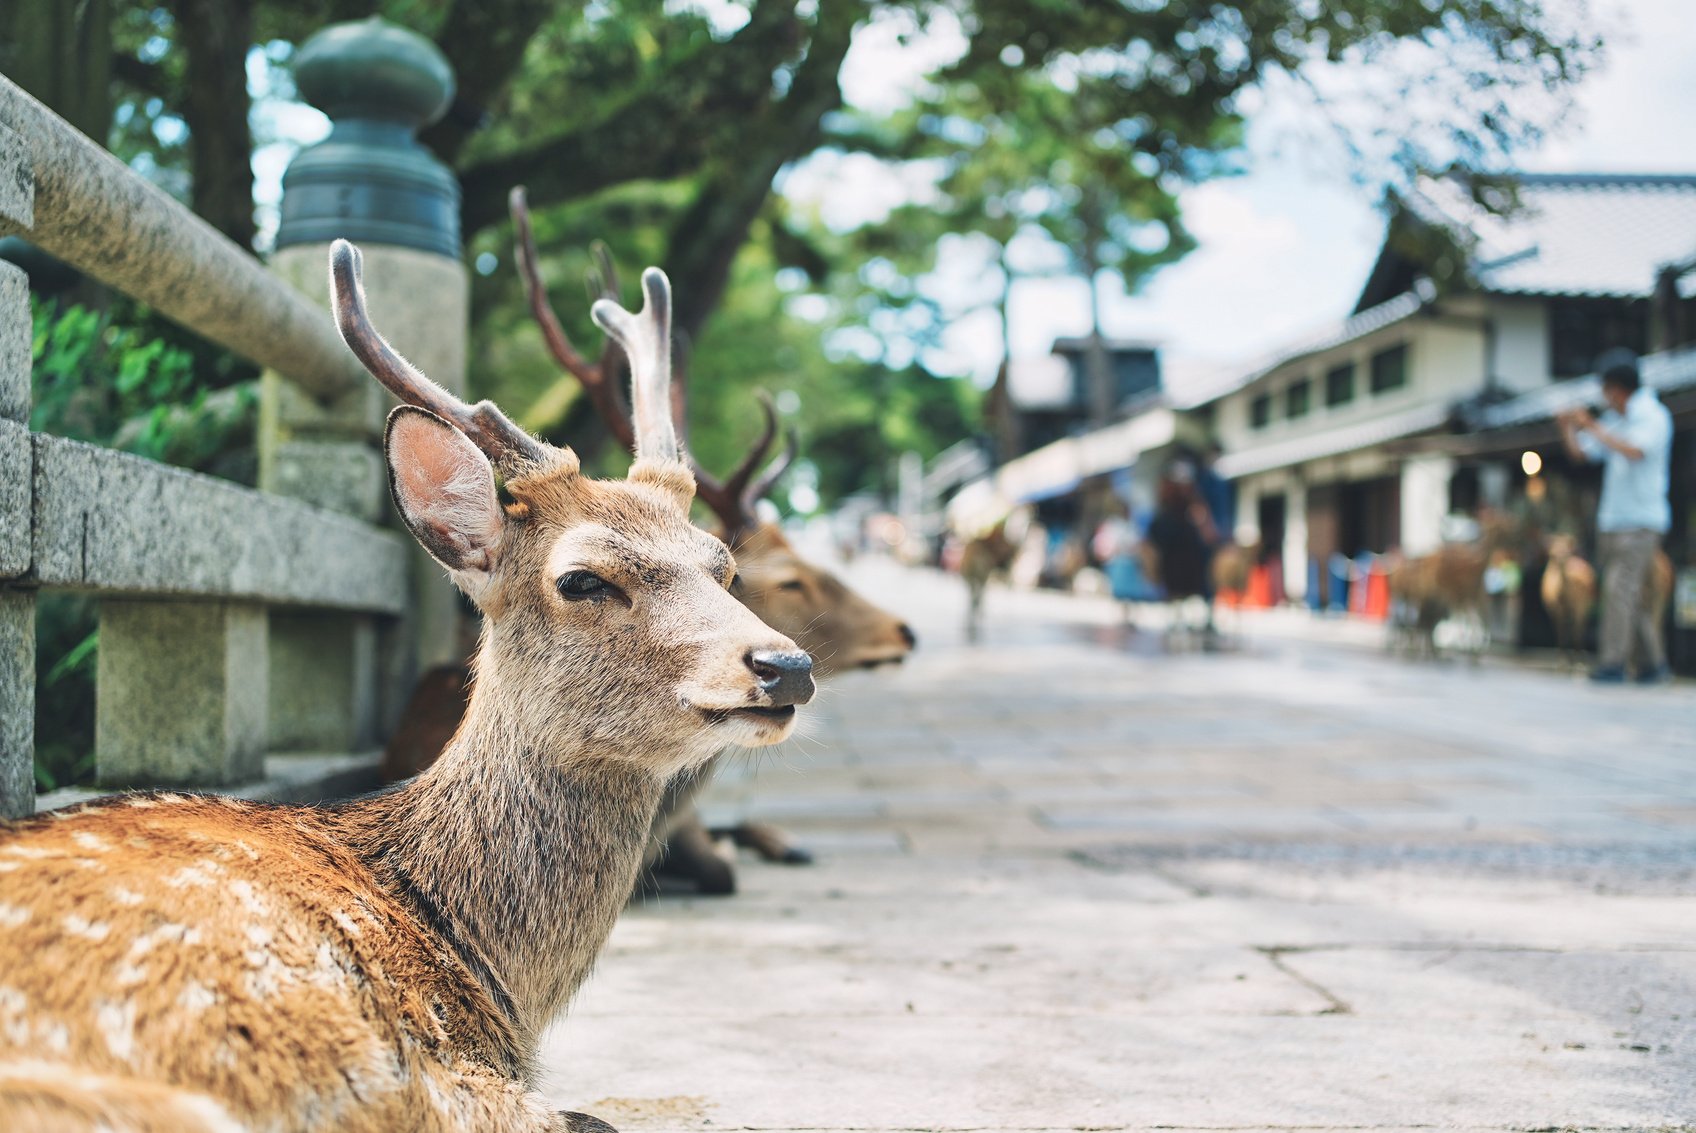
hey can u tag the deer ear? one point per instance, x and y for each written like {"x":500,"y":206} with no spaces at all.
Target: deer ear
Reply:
{"x":445,"y":491}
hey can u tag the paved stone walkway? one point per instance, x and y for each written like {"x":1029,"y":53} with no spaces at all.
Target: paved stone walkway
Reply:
{"x":1068,"y":881}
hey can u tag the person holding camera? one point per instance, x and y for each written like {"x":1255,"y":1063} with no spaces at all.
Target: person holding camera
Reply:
{"x":1633,"y":440}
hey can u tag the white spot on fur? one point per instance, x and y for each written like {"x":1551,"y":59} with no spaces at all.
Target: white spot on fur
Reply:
{"x":196,"y":997}
{"x":13,"y":1025}
{"x":8,"y":867}
{"x":171,"y":797}
{"x":11,"y":916}
{"x":165,"y":934}
{"x":346,"y":922}
{"x":91,"y":841}
{"x":24,"y":851}
{"x":127,"y":897}
{"x":142,"y":804}
{"x":56,"y":1037}
{"x":86,"y":929}
{"x":130,"y":975}
{"x":117,"y":1026}
{"x":201,"y":875}
{"x":251,"y":903}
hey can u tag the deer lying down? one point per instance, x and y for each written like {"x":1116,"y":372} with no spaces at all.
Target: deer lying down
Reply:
{"x":184,"y":963}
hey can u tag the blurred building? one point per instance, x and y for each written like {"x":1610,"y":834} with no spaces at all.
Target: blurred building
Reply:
{"x":1039,"y":400}
{"x":1350,"y":441}
{"x":1426,"y":401}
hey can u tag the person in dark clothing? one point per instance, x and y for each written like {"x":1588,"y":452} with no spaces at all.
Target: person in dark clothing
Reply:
{"x":1180,"y":551}
{"x":1219,"y":496}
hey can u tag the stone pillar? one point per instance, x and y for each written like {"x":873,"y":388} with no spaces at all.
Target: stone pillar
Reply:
{"x":324,"y":677}
{"x":17,"y":606}
{"x":181,"y":693}
{"x":372,"y":183}
{"x":1295,"y":538}
{"x":1424,"y":503}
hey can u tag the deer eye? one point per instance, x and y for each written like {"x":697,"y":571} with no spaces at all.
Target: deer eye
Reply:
{"x":581,"y":585}
{"x":792,"y":584}
{"x":735,"y":586}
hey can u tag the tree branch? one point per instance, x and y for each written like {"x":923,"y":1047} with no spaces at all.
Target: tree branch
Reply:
{"x":706,"y":238}
{"x":655,"y":134}
{"x":485,"y":41}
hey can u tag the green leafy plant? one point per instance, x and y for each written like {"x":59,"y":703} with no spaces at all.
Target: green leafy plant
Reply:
{"x":109,"y":378}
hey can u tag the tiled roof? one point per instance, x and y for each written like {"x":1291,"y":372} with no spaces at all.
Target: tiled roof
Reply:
{"x":1671,"y":372}
{"x":1577,"y":234}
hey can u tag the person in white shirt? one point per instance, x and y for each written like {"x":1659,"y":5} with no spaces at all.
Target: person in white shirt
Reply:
{"x":1633,"y":439}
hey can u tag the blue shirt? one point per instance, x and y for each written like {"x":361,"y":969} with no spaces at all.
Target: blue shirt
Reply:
{"x":1634,"y":492}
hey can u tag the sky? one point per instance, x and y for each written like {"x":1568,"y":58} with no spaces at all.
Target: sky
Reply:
{"x":1286,"y":246}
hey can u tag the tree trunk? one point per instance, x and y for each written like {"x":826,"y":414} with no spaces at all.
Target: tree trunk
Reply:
{"x":61,"y":53}
{"x":1098,"y":365}
{"x":216,"y":36}
{"x":1010,"y":427}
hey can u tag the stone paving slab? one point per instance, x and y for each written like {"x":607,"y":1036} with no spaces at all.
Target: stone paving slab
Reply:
{"x":1069,"y":882}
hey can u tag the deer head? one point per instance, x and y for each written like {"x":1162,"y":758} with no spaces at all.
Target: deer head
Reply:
{"x":608,"y":625}
{"x":838,"y":627}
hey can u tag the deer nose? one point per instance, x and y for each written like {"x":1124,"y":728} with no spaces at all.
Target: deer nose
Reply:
{"x":907,"y":635}
{"x":785,"y":675}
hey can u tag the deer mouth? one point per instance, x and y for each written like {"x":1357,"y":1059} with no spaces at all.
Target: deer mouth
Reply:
{"x":774,"y":715}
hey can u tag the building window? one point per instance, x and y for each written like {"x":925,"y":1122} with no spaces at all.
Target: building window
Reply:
{"x":1260,"y":411}
{"x":1339,"y":384}
{"x":1389,"y":369}
{"x":1298,"y":399}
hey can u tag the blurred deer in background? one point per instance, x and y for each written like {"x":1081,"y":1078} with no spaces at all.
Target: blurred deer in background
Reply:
{"x":984,"y":557}
{"x":1568,"y":589}
{"x":837,"y":626}
{"x":177,"y":962}
{"x":1569,"y":592}
{"x":1448,"y":583}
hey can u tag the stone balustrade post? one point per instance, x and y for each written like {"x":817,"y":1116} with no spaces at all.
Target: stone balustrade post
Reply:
{"x":338,"y":682}
{"x":17,"y":605}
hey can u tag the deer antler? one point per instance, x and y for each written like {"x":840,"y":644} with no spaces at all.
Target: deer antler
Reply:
{"x":645,"y":339}
{"x":768,"y":479}
{"x":732,"y":500}
{"x":726,"y":498}
{"x":483,"y":424}
{"x":596,"y":378}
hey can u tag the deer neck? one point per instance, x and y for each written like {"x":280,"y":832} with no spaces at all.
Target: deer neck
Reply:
{"x":522,"y":857}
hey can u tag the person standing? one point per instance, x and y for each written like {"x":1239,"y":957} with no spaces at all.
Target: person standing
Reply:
{"x":1219,"y":531}
{"x":1633,"y":440}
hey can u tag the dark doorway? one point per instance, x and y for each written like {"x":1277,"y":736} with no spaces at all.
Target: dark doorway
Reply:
{"x":1271,"y":514}
{"x":1369,"y":516}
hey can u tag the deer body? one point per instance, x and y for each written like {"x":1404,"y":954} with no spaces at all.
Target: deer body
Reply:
{"x":1569,"y":591}
{"x":1568,"y":588}
{"x":256,"y":961}
{"x":982,"y":558}
{"x":177,"y":962}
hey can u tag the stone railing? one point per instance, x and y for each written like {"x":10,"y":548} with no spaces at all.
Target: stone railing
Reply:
{"x":234,"y":624}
